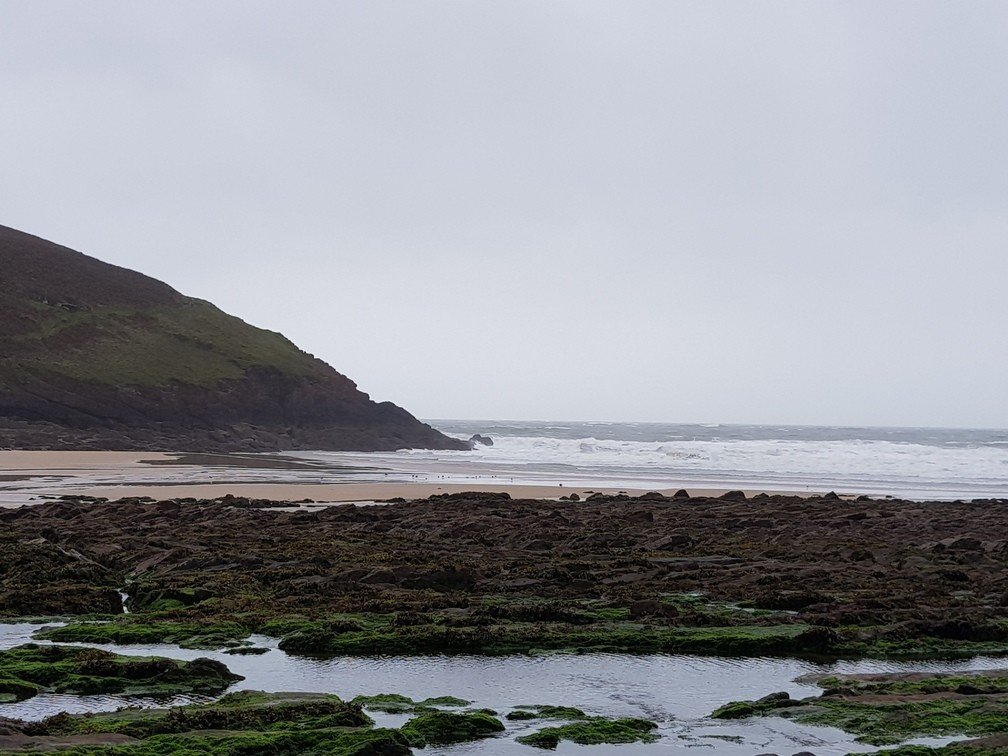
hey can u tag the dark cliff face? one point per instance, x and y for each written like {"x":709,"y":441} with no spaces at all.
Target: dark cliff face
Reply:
{"x":93,"y":356}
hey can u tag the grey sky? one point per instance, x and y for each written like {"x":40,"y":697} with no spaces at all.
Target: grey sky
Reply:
{"x":751,"y":212}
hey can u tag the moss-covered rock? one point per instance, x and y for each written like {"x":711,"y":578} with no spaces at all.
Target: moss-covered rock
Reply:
{"x":289,"y":742}
{"x":594,"y":731}
{"x":31,"y":668}
{"x":746,"y":709}
{"x":247,"y":723}
{"x":395,"y":703}
{"x":389,"y":703}
{"x":141,"y":629}
{"x":546,"y":711}
{"x":889,"y":709}
{"x":243,"y":710}
{"x":992,"y":746}
{"x":620,"y":636}
{"x":12,"y":689}
{"x":447,"y":727}
{"x":447,"y":701}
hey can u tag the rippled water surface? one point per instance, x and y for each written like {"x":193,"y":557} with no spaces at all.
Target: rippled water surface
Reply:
{"x":675,"y":691}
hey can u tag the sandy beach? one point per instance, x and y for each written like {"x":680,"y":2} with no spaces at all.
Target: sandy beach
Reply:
{"x":33,"y":476}
{"x":52,"y":462}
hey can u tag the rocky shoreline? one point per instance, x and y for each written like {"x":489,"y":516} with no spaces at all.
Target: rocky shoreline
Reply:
{"x":481,"y":573}
{"x":871,"y":577}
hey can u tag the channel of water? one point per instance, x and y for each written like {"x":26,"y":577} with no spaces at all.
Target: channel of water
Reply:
{"x":676,"y":691}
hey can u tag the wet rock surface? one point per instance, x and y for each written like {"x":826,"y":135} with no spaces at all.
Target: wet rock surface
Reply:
{"x":29,"y":670}
{"x":866,"y":577}
{"x":886,"y":709}
{"x":248,"y":722}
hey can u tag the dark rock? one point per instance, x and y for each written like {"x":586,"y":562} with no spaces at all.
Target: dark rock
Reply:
{"x":640,"y":516}
{"x":448,"y":579}
{"x":652,"y":608}
{"x":480,"y":440}
{"x":673,"y":541}
{"x":380,"y":575}
{"x":788,"y":600}
{"x":964,"y":544}
{"x":682,"y":493}
{"x":775,"y":697}
{"x":733,"y":496}
{"x":471,"y":496}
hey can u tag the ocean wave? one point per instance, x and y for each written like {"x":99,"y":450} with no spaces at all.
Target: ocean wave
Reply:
{"x":861,"y":456}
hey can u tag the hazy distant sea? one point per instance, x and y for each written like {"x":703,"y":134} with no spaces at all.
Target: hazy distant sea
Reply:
{"x":912,"y":462}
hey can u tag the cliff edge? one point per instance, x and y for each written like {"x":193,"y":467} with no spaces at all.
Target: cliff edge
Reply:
{"x":94,"y":356}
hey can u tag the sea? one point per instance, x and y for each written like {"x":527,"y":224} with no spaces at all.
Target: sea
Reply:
{"x":915,"y":463}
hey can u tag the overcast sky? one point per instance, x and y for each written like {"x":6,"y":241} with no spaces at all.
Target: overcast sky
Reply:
{"x":673,"y":211}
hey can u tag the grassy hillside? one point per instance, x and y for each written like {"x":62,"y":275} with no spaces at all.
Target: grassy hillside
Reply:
{"x":84,"y":344}
{"x":192,"y":342}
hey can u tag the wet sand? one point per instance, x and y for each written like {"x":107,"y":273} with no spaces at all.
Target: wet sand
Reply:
{"x":51,"y":462}
{"x":31,"y":476}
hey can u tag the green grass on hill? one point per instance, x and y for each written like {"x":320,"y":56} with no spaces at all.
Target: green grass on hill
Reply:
{"x":194,"y":343}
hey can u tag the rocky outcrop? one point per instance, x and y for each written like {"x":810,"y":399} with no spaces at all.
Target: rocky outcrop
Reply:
{"x":93,"y":356}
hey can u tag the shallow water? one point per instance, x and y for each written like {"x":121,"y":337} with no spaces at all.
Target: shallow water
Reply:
{"x":678,"y":692}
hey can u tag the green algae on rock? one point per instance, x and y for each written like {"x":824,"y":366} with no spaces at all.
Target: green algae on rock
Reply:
{"x":134,"y":629}
{"x":996,"y":745}
{"x":332,"y":742}
{"x":248,"y":722}
{"x":406,"y":579}
{"x":448,"y":701}
{"x":594,"y":731}
{"x":388,"y":703}
{"x":746,"y":709}
{"x":447,"y":727}
{"x":889,"y":709}
{"x":545,"y":711}
{"x":395,"y":703}
{"x":30,"y":669}
{"x":243,"y":710}
{"x":622,"y":636}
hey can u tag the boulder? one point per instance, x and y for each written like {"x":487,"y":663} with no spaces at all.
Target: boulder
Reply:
{"x":733,"y":496}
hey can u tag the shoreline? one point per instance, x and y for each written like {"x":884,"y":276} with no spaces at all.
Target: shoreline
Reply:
{"x":479,"y":575}
{"x":30,"y":477}
{"x":347,"y":493}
